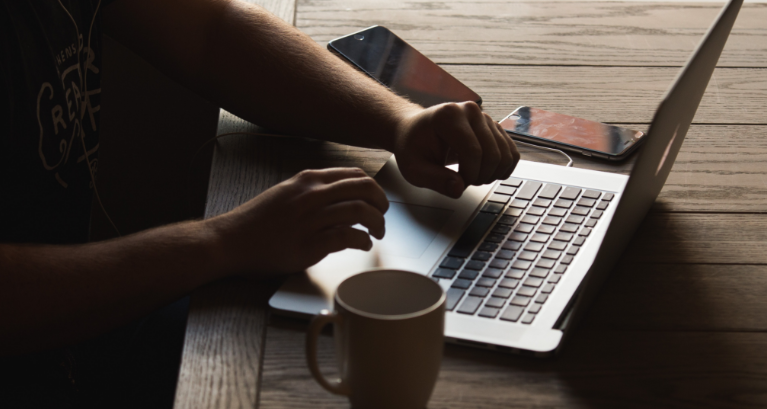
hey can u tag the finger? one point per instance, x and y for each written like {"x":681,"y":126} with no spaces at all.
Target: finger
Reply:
{"x":351,"y":213}
{"x":491,"y":154}
{"x":506,"y":164}
{"x":331,"y":175}
{"x":341,"y":238}
{"x":452,"y":127}
{"x":513,"y":147}
{"x":365,"y":189}
{"x":435,"y":177}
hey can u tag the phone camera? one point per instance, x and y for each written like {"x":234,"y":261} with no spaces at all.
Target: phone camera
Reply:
{"x":359,"y":37}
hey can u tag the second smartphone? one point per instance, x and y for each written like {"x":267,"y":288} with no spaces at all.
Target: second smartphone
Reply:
{"x":396,"y":64}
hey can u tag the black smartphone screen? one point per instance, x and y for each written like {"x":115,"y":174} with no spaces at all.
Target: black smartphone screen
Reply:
{"x":570,"y":132}
{"x":393,"y":62}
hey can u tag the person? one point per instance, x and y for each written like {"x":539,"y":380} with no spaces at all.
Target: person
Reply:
{"x":58,"y":290}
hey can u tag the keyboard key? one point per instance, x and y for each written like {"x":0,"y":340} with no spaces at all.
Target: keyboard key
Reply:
{"x":453,"y":295}
{"x":521,"y":265}
{"x":479,"y":291}
{"x":566,"y":260}
{"x":536,"y":211}
{"x":557,"y":245}
{"x":508,"y":220}
{"x":501,"y":229}
{"x":495,"y":302}
{"x":520,"y":300}
{"x":524,"y":228}
{"x":512,"y":313}
{"x":560,"y":269}
{"x":597,"y":214}
{"x":558,"y":212}
{"x":545,"y":229}
{"x":540,"y":238}
{"x":468,"y":274}
{"x":505,"y":254}
{"x":579,"y":241}
{"x":503,"y":199}
{"x":534,"y":308}
{"x":552,"y":254}
{"x":505,"y":190}
{"x":573,"y":250}
{"x":508,"y":283}
{"x":444,"y":273}
{"x":518,"y":236}
{"x":530,"y":219}
{"x":492,"y":273}
{"x":451,"y":262}
{"x":602,"y":205}
{"x":495,"y":238}
{"x":608,"y":197}
{"x":545,"y":263}
{"x":511,"y":245}
{"x":542,"y":202}
{"x":580,"y":211}
{"x":512,"y":182}
{"x":539,"y":272}
{"x":542,"y":298}
{"x":529,"y":190}
{"x":513,"y":212}
{"x":485,"y":282}
{"x":475,"y":265}
{"x":473,"y":234}
{"x":492,"y":207}
{"x":461,"y":283}
{"x":499,"y":263}
{"x":534,"y":247}
{"x":487,"y":246}
{"x":481,"y":256}
{"x":550,"y":191}
{"x":502,"y":292}
{"x":552,"y":220}
{"x":592,"y":194}
{"x":528,"y":255}
{"x":519,"y":204}
{"x":533,"y":282}
{"x":586,"y":202}
{"x":570,"y":193}
{"x":547,"y":289}
{"x":575,"y":219}
{"x":470,"y":305}
{"x":585,"y":231}
{"x":528,"y":318}
{"x":569,"y":228}
{"x":563,"y":203}
{"x":591,"y":223}
{"x":555,"y":278}
{"x":527,"y":291}
{"x":563,"y":236}
{"x":515,"y":274}
{"x":489,"y":312}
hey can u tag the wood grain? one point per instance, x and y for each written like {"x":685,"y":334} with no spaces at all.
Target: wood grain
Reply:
{"x":545,"y":32}
{"x":626,"y":369}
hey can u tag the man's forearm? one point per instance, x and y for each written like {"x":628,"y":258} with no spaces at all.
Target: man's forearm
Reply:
{"x":52,"y":295}
{"x":260,"y":68}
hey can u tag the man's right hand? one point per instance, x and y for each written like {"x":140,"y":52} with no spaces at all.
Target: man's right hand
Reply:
{"x":297,"y":223}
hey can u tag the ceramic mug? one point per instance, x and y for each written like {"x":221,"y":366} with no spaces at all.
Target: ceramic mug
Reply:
{"x":388,"y":329}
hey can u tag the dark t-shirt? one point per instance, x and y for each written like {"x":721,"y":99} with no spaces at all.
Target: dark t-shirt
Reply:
{"x":50,"y":91}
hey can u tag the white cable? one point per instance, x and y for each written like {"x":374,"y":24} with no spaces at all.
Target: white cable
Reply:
{"x":569,"y":164}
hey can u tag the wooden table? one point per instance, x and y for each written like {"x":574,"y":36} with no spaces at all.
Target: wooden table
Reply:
{"x":680,"y":323}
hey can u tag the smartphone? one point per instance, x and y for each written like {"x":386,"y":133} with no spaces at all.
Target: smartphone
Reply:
{"x":566,"y":132}
{"x":394,"y":63}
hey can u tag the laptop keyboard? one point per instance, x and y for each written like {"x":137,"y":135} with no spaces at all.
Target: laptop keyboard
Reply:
{"x":511,"y":257}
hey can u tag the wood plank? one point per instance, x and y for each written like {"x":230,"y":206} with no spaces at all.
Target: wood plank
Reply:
{"x":545,"y":32}
{"x":614,"y":94}
{"x":627,"y":369}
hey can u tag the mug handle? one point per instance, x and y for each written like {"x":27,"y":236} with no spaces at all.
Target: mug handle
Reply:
{"x":325,"y":317}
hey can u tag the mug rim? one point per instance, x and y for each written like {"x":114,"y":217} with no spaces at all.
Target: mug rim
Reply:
{"x":391,"y":317}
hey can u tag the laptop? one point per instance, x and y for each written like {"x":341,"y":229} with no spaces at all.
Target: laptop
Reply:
{"x":521,"y":259}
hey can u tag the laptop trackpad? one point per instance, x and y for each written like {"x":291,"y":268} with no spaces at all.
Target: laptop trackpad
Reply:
{"x":410,"y":229}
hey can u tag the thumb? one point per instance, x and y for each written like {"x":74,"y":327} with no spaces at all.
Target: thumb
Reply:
{"x":437,"y":178}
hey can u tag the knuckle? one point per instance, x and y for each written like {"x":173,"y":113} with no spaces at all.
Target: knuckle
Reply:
{"x":472,"y":109}
{"x":448,"y":110}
